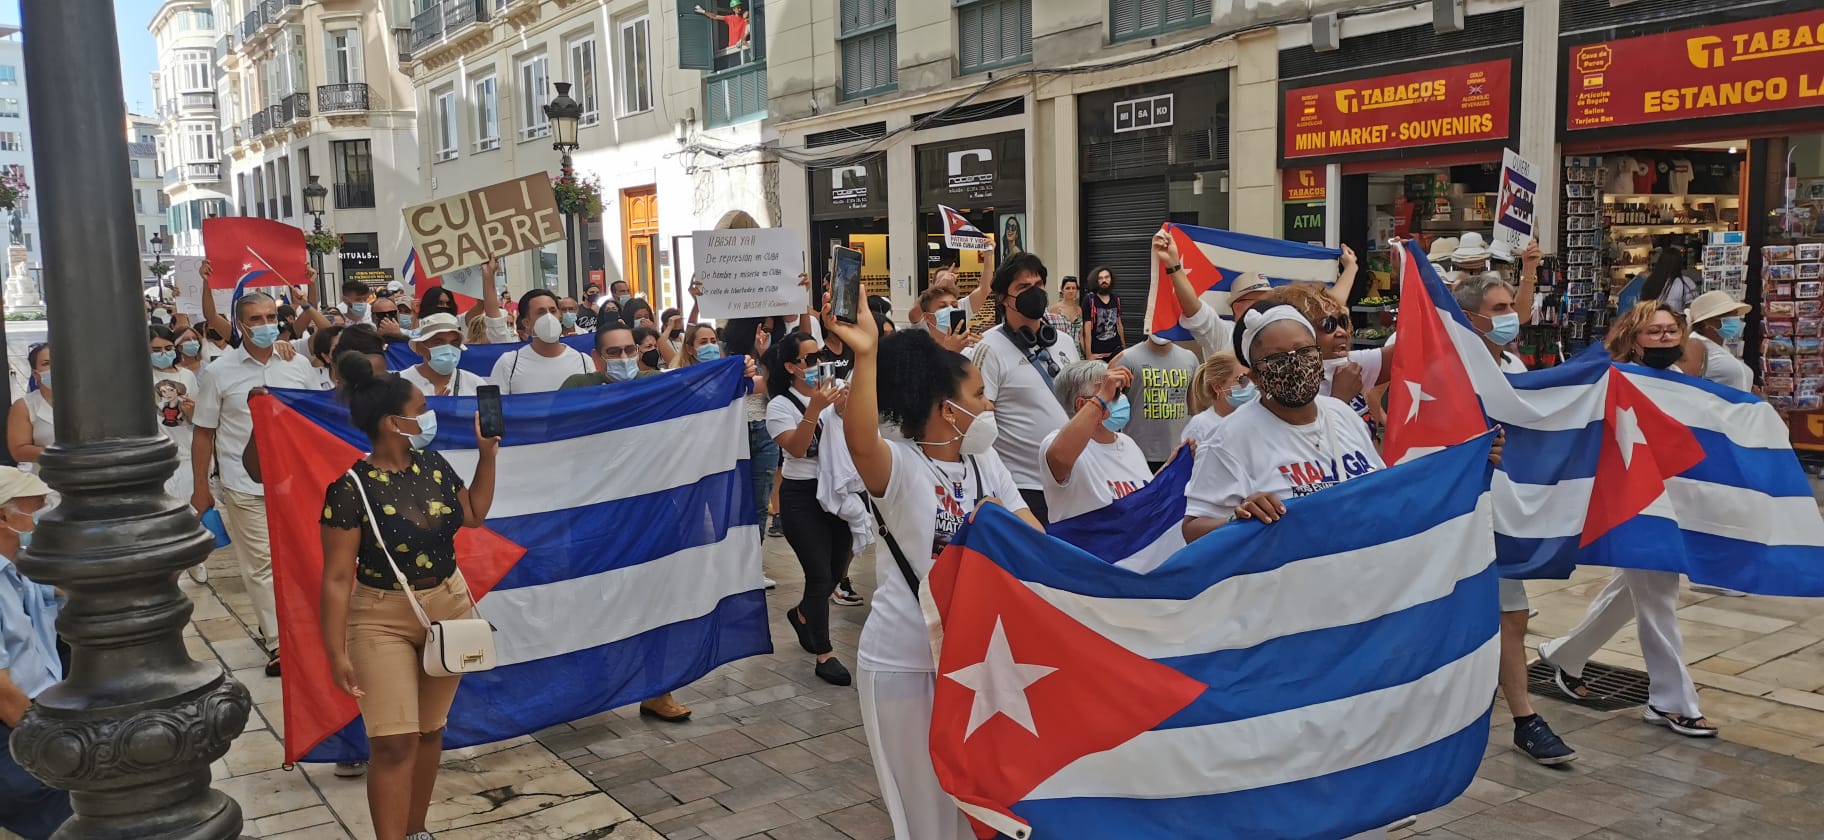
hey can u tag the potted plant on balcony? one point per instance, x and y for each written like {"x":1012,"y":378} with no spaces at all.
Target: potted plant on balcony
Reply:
{"x":323,"y":242}
{"x":578,"y":194}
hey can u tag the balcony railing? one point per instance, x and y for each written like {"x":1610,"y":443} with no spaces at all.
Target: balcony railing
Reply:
{"x":225,"y":44}
{"x":200,"y":100}
{"x":142,"y":150}
{"x":260,"y":124}
{"x":427,"y":27}
{"x":344,"y":97}
{"x":207,"y":170}
{"x":447,"y":18}
{"x":297,"y":105}
{"x":251,"y":23}
{"x":737,"y":95}
{"x":270,"y":10}
{"x":277,"y":117}
{"x":231,"y":135}
{"x":357,"y":194}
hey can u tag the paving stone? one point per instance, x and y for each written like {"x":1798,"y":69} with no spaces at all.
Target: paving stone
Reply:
{"x":678,"y":812}
{"x":1540,"y":821}
{"x":727,"y":743}
{"x":789,"y":759}
{"x":690,"y":785}
{"x":1662,"y":825}
{"x":680,"y":756}
{"x":743,"y":823}
{"x":1582,"y":808}
{"x":834,"y":746}
{"x":807,"y":830}
{"x":825,"y":799}
{"x":642,"y":798}
{"x":741,"y":770}
{"x":774,"y":733}
{"x":862,"y":822}
{"x":623,"y":770}
{"x":762,"y":792}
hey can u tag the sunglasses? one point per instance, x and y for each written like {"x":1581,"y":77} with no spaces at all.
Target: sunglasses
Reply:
{"x":386,"y":316}
{"x":1332,"y":323}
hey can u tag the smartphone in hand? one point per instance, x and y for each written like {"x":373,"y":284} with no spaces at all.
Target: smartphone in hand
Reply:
{"x":845,"y":294}
{"x":487,"y":408}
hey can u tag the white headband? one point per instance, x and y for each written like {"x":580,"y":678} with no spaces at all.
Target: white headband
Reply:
{"x":1254,"y":321}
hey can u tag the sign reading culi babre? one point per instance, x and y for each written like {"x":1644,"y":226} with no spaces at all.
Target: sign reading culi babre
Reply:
{"x":1771,"y":64}
{"x":479,"y":225}
{"x":1461,"y":104}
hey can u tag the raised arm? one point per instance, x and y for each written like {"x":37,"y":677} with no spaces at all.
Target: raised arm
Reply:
{"x":861,"y":419}
{"x":1345,"y":282}
{"x":1165,"y":250}
{"x":1529,"y":278}
{"x":478,"y":497}
{"x":211,"y":318}
{"x":1068,"y":446}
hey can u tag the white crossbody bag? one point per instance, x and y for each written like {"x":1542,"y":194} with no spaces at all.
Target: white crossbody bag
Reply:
{"x":451,"y":647}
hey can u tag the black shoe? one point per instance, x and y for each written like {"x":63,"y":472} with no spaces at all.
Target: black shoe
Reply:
{"x":845,"y":595}
{"x":1535,"y":738}
{"x":802,"y":627}
{"x":272,"y":665}
{"x":832,"y":672}
{"x":775,"y":529}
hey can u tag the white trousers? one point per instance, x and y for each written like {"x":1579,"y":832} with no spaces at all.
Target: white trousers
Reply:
{"x":896,"y":714}
{"x":1652,"y":599}
{"x":245,"y":516}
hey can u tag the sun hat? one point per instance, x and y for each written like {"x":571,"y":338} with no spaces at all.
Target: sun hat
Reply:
{"x":1441,"y":248}
{"x":434,"y":323}
{"x":1470,"y":248}
{"x":19,"y":484}
{"x":1250,"y":283}
{"x":1713,"y":304}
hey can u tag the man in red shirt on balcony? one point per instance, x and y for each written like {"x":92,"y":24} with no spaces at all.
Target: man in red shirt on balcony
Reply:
{"x":735,"y":20}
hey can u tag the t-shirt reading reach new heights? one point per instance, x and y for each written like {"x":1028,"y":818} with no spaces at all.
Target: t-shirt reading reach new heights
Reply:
{"x":1254,"y":451}
{"x":923,"y":510}
{"x":1103,"y":473}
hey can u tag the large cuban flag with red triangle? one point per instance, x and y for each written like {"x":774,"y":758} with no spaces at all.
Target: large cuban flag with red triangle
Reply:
{"x":247,"y":253}
{"x":1214,"y":258}
{"x":1622,"y":465}
{"x":621,"y":558}
{"x":1284,"y":680}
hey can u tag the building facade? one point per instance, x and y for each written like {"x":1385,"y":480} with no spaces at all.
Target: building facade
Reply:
{"x":16,"y":157}
{"x":315,"y":90}
{"x":190,"y":153}
{"x":673,"y":109}
{"x":149,"y":201}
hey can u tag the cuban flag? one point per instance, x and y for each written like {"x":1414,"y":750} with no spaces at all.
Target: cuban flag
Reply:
{"x":1215,"y":258}
{"x":959,"y":233}
{"x":479,"y":359}
{"x":1140,"y":530}
{"x":1622,"y":465}
{"x":621,"y":558}
{"x":1285,"y":680}
{"x":253,"y":253}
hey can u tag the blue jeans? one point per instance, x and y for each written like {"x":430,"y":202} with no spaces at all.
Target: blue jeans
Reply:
{"x":28,"y":807}
{"x":763,"y":458}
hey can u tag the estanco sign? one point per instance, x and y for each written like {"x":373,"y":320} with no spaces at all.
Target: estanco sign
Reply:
{"x":1460,"y":104}
{"x":1771,"y":64}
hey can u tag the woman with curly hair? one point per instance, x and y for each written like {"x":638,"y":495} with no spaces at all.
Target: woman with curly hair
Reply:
{"x":923,"y":488}
{"x":1348,"y":374}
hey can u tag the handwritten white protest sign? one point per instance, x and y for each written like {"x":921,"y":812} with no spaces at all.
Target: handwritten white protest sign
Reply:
{"x":1514,"y":207}
{"x":749,"y":272}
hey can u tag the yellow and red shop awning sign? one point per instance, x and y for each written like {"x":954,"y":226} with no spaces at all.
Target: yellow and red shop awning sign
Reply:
{"x":1465,"y":103}
{"x":1770,"y":64}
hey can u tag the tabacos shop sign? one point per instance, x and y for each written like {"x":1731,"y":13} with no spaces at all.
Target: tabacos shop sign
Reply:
{"x":1460,"y":104}
{"x":1771,"y":64}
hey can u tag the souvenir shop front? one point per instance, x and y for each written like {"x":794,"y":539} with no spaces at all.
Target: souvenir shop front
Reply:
{"x":1696,"y":144}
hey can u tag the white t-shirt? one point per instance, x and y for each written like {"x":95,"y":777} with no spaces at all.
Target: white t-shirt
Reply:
{"x":922,"y":513}
{"x":1202,"y":427}
{"x":1213,"y":332}
{"x":1103,"y":473}
{"x":1024,"y":407}
{"x":1723,"y":368}
{"x":1370,"y":360}
{"x":1256,"y":452}
{"x":783,"y":416}
{"x":462,"y":383}
{"x":169,"y":409}
{"x":525,"y":371}
{"x":1511,"y":363}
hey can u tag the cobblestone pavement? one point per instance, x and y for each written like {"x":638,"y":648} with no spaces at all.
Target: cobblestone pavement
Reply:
{"x":773,"y":752}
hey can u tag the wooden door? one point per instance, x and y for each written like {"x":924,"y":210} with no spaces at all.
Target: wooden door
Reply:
{"x":640,"y":231}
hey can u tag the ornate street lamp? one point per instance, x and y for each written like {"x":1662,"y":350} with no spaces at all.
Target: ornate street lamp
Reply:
{"x":564,"y":113}
{"x":314,"y":194}
{"x":133,"y":730}
{"x":158,"y":262}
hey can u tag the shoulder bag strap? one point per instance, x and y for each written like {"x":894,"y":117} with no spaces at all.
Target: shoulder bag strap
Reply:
{"x":899,"y":556}
{"x":977,"y":469}
{"x":374,"y":525}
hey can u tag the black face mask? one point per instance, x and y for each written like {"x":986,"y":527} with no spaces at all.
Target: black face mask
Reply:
{"x":1660,"y":358}
{"x":650,"y":359}
{"x":1031,"y":303}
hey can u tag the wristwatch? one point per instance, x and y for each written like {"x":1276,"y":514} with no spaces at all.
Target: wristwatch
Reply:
{"x":1174,"y":269}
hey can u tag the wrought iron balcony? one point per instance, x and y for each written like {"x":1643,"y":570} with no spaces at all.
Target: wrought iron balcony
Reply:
{"x":270,"y":10}
{"x":344,"y":97}
{"x":460,"y":13}
{"x":277,"y":117}
{"x":355,"y":194}
{"x":142,"y":150}
{"x":427,"y":27}
{"x":251,"y":23}
{"x":260,"y":124}
{"x":297,"y":105}
{"x":231,"y":135}
{"x":202,"y":100}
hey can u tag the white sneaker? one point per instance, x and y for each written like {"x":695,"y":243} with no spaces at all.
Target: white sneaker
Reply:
{"x":351,"y":769}
{"x":1717,"y":590}
{"x":198,"y":573}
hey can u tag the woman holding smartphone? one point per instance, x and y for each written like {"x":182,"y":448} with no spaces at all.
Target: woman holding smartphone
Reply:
{"x":794,"y":417}
{"x":371,"y":633}
{"x":924,"y":487}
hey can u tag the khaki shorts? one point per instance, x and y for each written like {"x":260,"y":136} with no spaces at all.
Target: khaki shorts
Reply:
{"x":386,"y":644}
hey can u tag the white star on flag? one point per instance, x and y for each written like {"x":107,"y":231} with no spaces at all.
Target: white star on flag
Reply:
{"x":1418,"y":396}
{"x":1628,"y":435}
{"x":999,"y":684}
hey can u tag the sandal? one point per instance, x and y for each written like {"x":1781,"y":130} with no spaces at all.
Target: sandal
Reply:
{"x":1574,"y":688}
{"x":1690,"y":727}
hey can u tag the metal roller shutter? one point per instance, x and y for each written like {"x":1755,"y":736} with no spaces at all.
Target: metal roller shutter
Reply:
{"x":1119,"y":218}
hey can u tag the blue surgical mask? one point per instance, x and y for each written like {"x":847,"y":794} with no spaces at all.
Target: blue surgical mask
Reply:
{"x":44,"y":378}
{"x":621,"y":300}
{"x":427,"y":430}
{"x":443,"y":358}
{"x":1506,"y":328}
{"x":162,"y":359}
{"x":359,"y":310}
{"x":263,"y":335}
{"x":1118,"y":414}
{"x":25,"y":537}
{"x":1731,"y":328}
{"x":405,"y":320}
{"x":621,"y":370}
{"x":1241,"y":395}
{"x":812,"y":375}
{"x":709,"y":353}
{"x":191,"y":348}
{"x":569,"y":320}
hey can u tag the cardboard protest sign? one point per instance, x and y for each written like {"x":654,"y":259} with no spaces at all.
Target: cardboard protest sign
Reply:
{"x":750,"y":272}
{"x":473,"y":227}
{"x":1514,"y":207}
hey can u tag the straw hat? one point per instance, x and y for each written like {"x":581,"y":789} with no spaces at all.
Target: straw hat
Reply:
{"x":1441,"y":248}
{"x":1470,"y":248}
{"x":1714,"y":304}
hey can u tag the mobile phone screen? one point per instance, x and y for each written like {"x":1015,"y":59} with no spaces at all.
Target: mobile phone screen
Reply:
{"x":845,"y":296}
{"x":487,"y":407}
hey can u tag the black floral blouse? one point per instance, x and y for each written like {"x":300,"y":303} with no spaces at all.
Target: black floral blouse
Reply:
{"x":419,"y":512}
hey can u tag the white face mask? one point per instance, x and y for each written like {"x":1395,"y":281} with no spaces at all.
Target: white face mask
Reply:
{"x":980,"y":435}
{"x":547,"y":328}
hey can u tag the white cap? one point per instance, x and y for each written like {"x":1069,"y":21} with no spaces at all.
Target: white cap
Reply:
{"x":434,"y":323}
